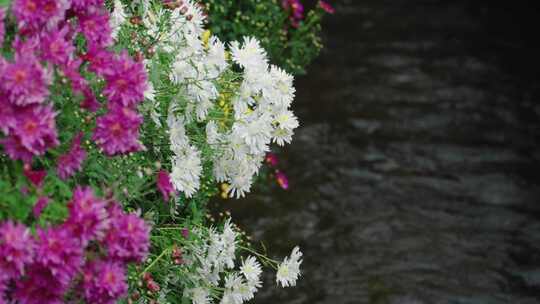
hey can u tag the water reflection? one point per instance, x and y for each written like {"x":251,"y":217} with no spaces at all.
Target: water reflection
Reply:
{"x":414,"y":175}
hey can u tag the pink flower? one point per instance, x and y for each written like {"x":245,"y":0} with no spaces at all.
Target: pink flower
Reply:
{"x":71,"y":162}
{"x":42,"y":287}
{"x":117,"y":132}
{"x":101,"y":60}
{"x":36,"y":128}
{"x":25,"y":81}
{"x":127,"y":83}
{"x":36,"y":177}
{"x":90,"y":102}
{"x":295,"y":9}
{"x":16,"y":249}
{"x":41,"y":204}
{"x":95,"y":27}
{"x":60,"y":252}
{"x":55,"y":47}
{"x":326,"y":7}
{"x":33,"y":15}
{"x":128,"y":238}
{"x":165,"y":185}
{"x":104,"y":282}
{"x":88,"y":218}
{"x":15,"y":150}
{"x":71,"y":71}
{"x":271,"y":159}
{"x":82,"y":6}
{"x":7,"y":114}
{"x":282,"y":180}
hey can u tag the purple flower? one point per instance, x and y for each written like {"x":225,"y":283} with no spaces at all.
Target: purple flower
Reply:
{"x":87,"y":216}
{"x":41,"y":204}
{"x":101,"y":60}
{"x":90,"y":102}
{"x":326,"y":7}
{"x":104,"y":282}
{"x":36,"y":128}
{"x":71,"y":162}
{"x":95,"y":27}
{"x":15,"y":150}
{"x":33,"y":15}
{"x":82,"y":6}
{"x":55,"y":47}
{"x":42,"y":287}
{"x":7,"y":114}
{"x":165,"y":185}
{"x":60,"y":252}
{"x":117,"y":132}
{"x":271,"y":159}
{"x":36,"y":177}
{"x":16,"y":249}
{"x":127,"y":83}
{"x":25,"y":81}
{"x":128,"y":237}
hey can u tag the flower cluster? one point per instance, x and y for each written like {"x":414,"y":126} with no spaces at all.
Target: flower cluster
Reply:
{"x":94,"y":245}
{"x":295,"y":9}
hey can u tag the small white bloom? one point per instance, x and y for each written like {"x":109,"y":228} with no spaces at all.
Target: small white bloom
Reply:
{"x":118,"y":17}
{"x":289,"y":270}
{"x":251,"y":269}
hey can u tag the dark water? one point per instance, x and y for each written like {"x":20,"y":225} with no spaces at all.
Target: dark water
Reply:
{"x":415,"y":173}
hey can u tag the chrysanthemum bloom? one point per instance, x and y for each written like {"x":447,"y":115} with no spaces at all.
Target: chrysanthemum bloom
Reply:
{"x":165,"y":185}
{"x":81,"y":6}
{"x":71,"y":71}
{"x":101,"y":60}
{"x":16,"y":249}
{"x":59,"y":251}
{"x":95,"y":27}
{"x":55,"y":47}
{"x":3,"y":282}
{"x":88,"y":218}
{"x":126,"y":85}
{"x":33,"y":15}
{"x":42,"y":287}
{"x":7,"y":113}
{"x":71,"y":162}
{"x":326,"y":7}
{"x":25,"y":81}
{"x":90,"y":102}
{"x":117,"y":132}
{"x":41,"y":204}
{"x":35,"y":177}
{"x":289,"y":270}
{"x":15,"y":150}
{"x":128,"y":238}
{"x":104,"y":282}
{"x":36,"y":128}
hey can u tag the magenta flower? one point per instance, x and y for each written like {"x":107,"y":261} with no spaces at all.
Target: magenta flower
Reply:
{"x":128,"y":237}
{"x":295,"y":9}
{"x":36,"y":177}
{"x":101,"y":60}
{"x":90,"y":102}
{"x":16,"y":249}
{"x":326,"y":7}
{"x":42,"y":287}
{"x":117,"y":132}
{"x":33,"y":15}
{"x":104,"y":282}
{"x":71,"y":162}
{"x":126,"y":85}
{"x":15,"y":150}
{"x":60,"y":252}
{"x":41,"y":204}
{"x":271,"y":159}
{"x":36,"y":128}
{"x":165,"y":185}
{"x":7,"y":114}
{"x":282,"y":180}
{"x":95,"y":27}
{"x":25,"y":81}
{"x":88,"y":218}
{"x":82,"y":6}
{"x":71,"y":71}
{"x":55,"y":47}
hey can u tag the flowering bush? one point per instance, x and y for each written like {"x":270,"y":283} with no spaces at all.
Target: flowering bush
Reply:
{"x":119,"y":120}
{"x":290,"y":33}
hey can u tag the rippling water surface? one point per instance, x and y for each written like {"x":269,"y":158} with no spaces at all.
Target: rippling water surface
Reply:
{"x":414,"y":175}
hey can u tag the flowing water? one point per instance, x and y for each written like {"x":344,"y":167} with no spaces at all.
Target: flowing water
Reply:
{"x":415,"y":173}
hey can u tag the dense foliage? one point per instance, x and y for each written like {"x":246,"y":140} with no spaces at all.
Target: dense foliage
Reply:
{"x":120,"y":119}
